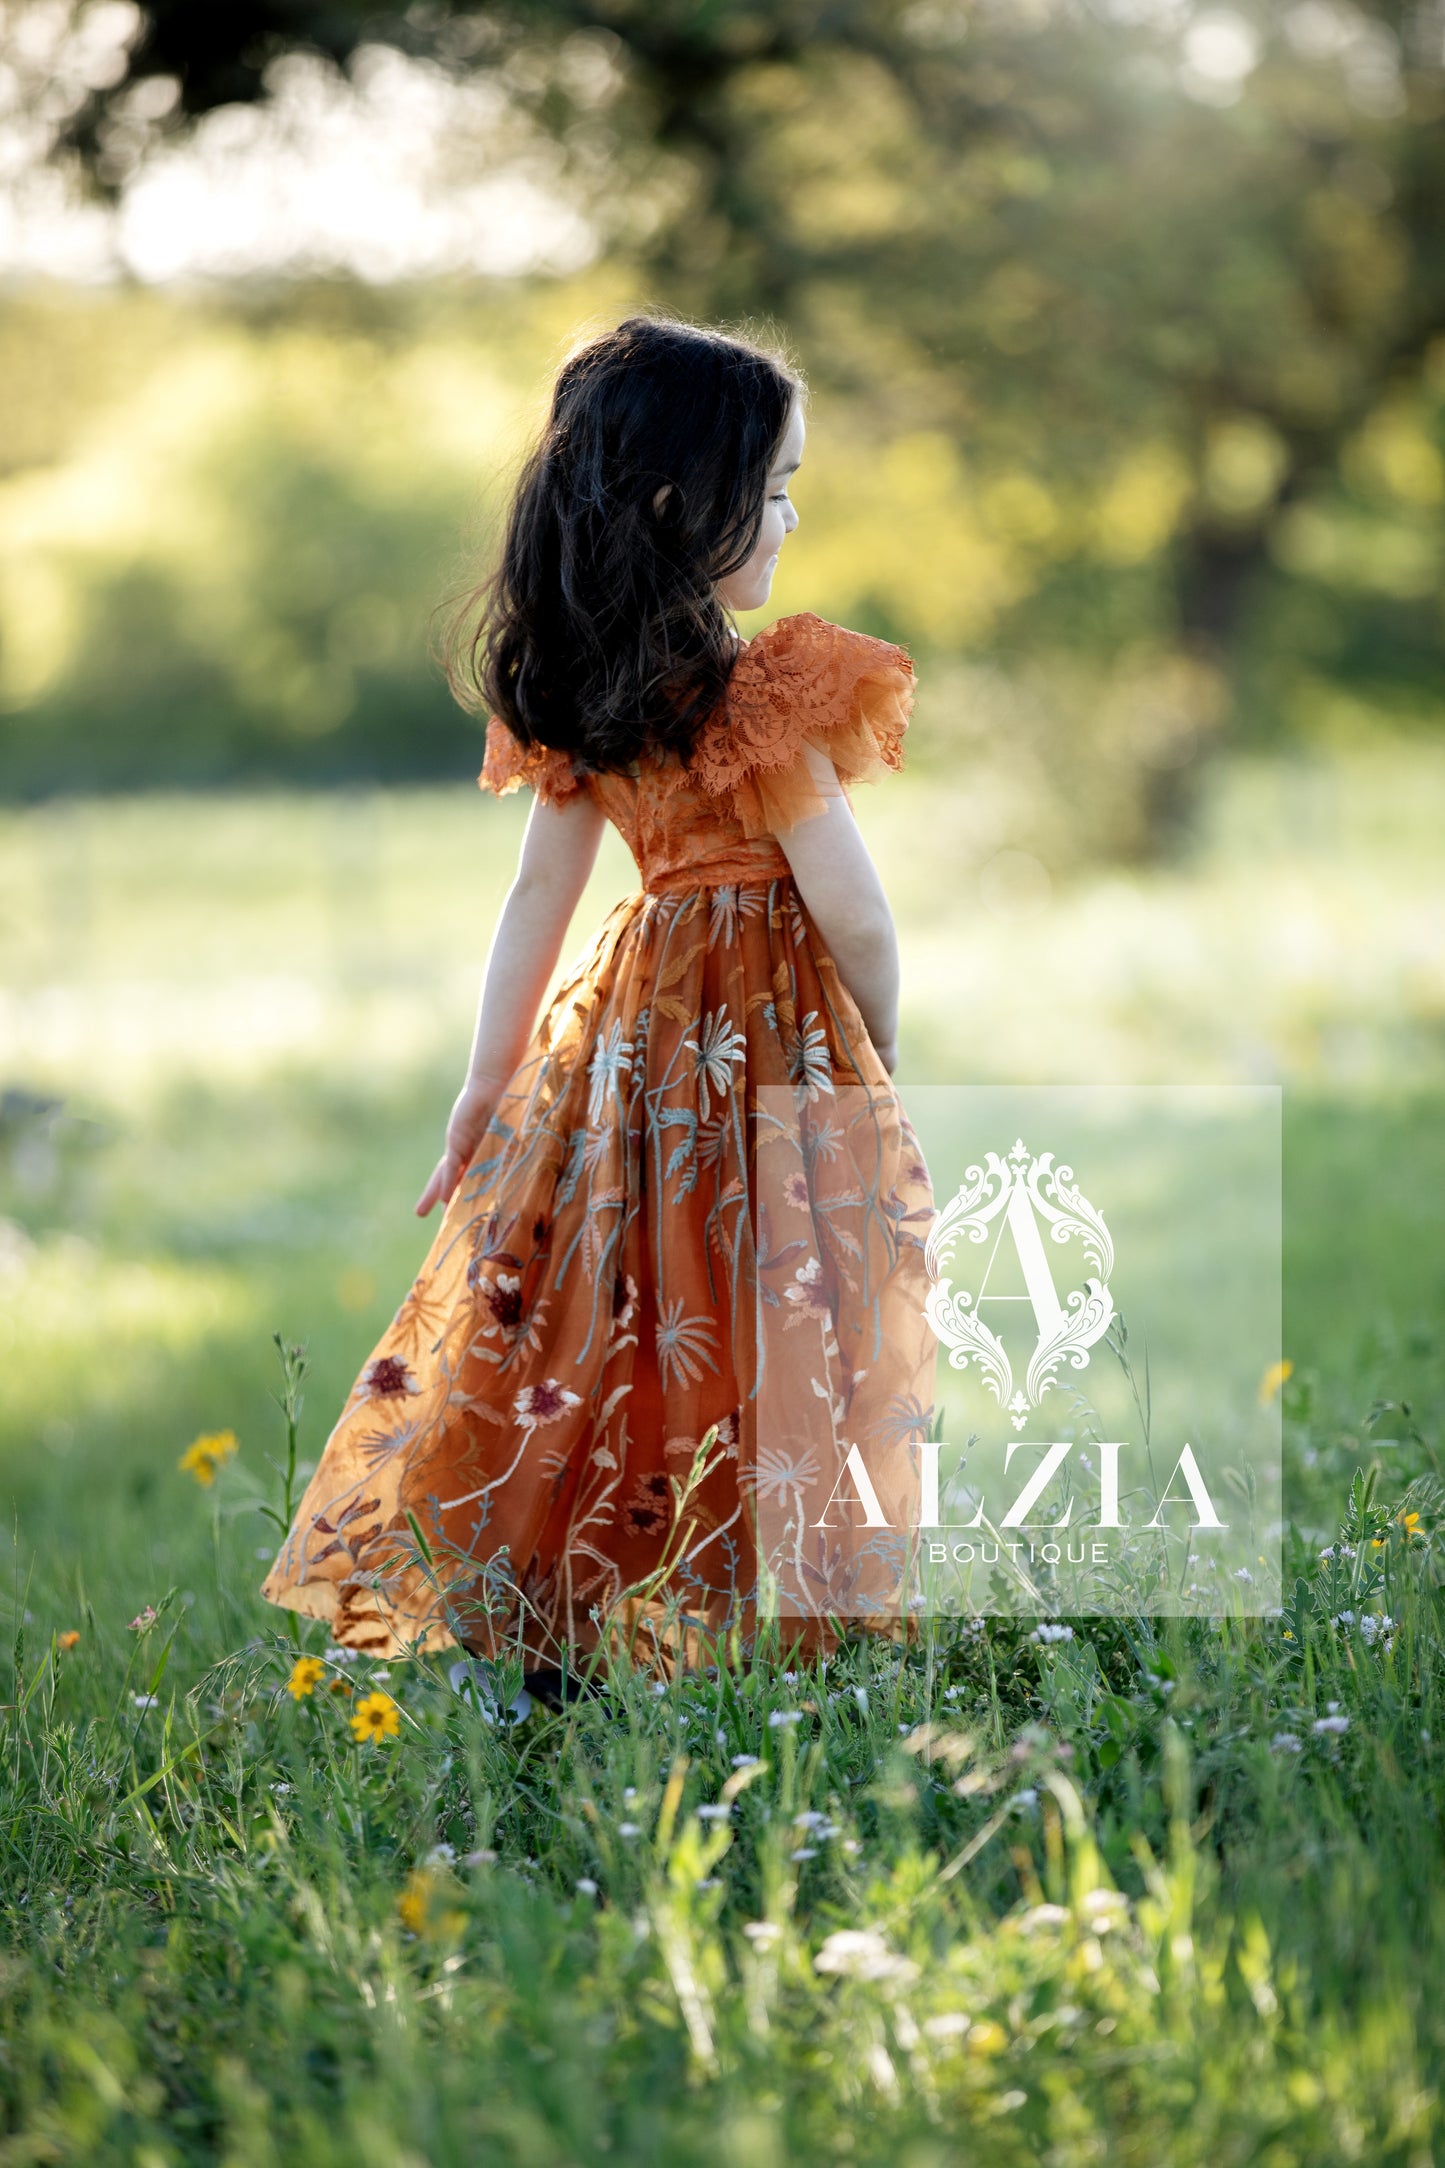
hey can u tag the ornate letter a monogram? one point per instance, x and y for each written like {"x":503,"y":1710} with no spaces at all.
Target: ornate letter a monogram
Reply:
{"x":1018,"y":1194}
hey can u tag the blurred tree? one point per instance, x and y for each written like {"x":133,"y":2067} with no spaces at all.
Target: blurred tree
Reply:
{"x":1128,"y":284}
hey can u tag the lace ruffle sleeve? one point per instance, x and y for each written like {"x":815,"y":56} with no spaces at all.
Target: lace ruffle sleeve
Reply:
{"x":508,"y":763}
{"x":804,"y":681}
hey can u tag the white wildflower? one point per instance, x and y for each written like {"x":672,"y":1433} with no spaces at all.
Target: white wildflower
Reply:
{"x":862,"y":1954}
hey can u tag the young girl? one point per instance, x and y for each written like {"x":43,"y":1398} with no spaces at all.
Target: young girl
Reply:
{"x":681,"y":1255}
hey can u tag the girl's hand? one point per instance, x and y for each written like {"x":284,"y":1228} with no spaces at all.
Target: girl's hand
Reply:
{"x":472,"y":1109}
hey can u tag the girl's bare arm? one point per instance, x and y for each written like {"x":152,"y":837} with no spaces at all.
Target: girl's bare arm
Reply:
{"x":559,"y":850}
{"x":839,"y":885}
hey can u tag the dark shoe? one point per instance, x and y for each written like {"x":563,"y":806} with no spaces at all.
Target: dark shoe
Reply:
{"x":548,"y":1686}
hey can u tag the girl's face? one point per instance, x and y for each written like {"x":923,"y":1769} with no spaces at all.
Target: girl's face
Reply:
{"x":748,"y":587}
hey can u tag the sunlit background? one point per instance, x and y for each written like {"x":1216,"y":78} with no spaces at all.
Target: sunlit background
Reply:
{"x":1125,"y":325}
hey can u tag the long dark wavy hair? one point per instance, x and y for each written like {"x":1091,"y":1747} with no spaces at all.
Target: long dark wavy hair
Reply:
{"x":599,"y":632}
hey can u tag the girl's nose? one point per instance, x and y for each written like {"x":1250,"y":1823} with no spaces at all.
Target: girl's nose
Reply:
{"x":790,"y":518}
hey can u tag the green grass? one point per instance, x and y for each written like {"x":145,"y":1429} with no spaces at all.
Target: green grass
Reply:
{"x":254,"y":1013}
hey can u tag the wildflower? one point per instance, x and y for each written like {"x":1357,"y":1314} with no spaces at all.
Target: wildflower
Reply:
{"x":585,"y":1886}
{"x":1048,"y":1632}
{"x":1338,"y":1550}
{"x":306,"y":1675}
{"x":441,"y":1855}
{"x":376,"y":1716}
{"x":1272,"y":1380}
{"x":1104,"y":1909}
{"x":946,"y":2025}
{"x":811,"y":1819}
{"x":1044,"y":1916}
{"x":1343,"y":1618}
{"x":1410,"y":1522}
{"x":205,"y":1454}
{"x":1027,"y":1798}
{"x":762,"y":1933}
{"x":862,"y":1954}
{"x":418,"y":1905}
{"x":629,"y":1794}
{"x":338,"y":1686}
{"x":629,"y":1829}
{"x":1377,"y":1626}
{"x":482,"y":1857}
{"x":142,"y":1619}
{"x":335,"y":1654}
{"x":68,"y":1639}
{"x":1328,"y":1724}
{"x":713,"y":1814}
{"x":145,"y":1701}
{"x":778,"y":1717}
{"x":805,"y":1851}
{"x":1284,"y":1742}
{"x":744,"y":1761}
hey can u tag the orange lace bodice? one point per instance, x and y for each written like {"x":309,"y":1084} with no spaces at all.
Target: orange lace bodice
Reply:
{"x":714,"y":820}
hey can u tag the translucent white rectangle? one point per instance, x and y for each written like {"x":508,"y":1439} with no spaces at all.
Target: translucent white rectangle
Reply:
{"x":1018,"y":1349}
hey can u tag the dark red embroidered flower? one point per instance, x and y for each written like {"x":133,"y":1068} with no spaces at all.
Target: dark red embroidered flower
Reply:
{"x":388,"y":1378}
{"x":649,"y":1509}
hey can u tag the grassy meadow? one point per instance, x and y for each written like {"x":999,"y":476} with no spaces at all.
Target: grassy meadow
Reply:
{"x":1149,"y":1891}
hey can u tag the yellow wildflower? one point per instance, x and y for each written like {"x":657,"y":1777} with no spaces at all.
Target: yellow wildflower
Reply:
{"x":339,"y":1686}
{"x":1410,"y":1522}
{"x":376,"y":1716}
{"x":68,"y":1640}
{"x":1272,"y":1380}
{"x":306,"y":1675}
{"x":986,"y":2037}
{"x":420,"y":1909}
{"x":205,"y":1454}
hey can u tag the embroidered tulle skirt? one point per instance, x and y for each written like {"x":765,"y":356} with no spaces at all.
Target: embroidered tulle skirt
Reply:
{"x":681,"y":1278}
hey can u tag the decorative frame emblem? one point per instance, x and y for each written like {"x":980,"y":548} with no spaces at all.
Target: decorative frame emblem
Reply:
{"x":1019,"y":1196}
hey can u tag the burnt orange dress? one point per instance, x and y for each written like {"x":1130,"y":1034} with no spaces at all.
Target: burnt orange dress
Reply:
{"x":699,"y":1203}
